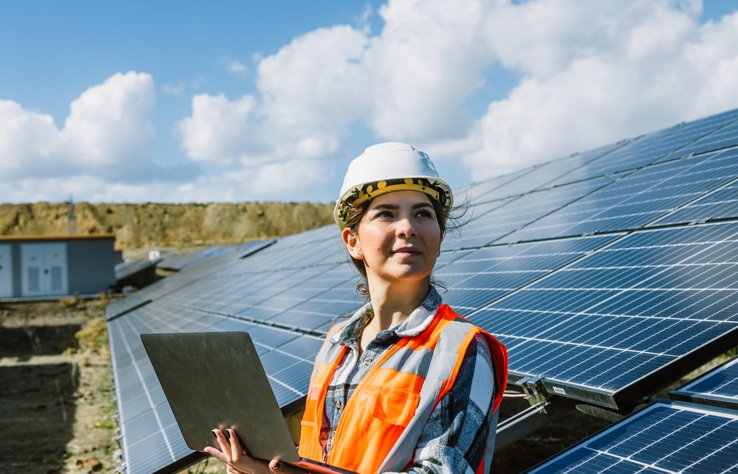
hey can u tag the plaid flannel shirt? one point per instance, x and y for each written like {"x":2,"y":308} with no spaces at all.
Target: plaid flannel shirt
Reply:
{"x":459,"y":429}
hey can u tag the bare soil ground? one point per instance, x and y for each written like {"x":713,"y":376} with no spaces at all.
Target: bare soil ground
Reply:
{"x":56,"y":395}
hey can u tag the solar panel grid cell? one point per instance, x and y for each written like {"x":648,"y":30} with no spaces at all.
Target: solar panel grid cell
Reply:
{"x":662,"y":438}
{"x":189,"y":259}
{"x":320,"y":310}
{"x":270,"y":302}
{"x":545,"y":175}
{"x":479,"y":277}
{"x":637,"y":199}
{"x":487,"y":226}
{"x":724,"y":137}
{"x":156,"y":451}
{"x":172,"y":284}
{"x":297,"y":374}
{"x":720,"y":204}
{"x":658,"y":146}
{"x":584,"y":160}
{"x":487,"y":190}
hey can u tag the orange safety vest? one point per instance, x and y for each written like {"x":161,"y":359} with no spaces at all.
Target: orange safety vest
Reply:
{"x":384,"y":417}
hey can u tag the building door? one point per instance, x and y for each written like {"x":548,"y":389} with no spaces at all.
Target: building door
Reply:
{"x":6,"y":272}
{"x":44,"y":269}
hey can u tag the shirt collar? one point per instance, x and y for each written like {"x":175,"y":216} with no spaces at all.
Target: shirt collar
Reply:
{"x":415,"y":323}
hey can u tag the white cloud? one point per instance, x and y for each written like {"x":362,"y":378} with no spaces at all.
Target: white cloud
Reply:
{"x":108,"y":132}
{"x":97,"y":189}
{"x":218,"y":130}
{"x":309,"y":93}
{"x":715,"y":56}
{"x":316,"y":85}
{"x":296,"y":176}
{"x":110,"y":124}
{"x":180,"y":88}
{"x":236,"y":67}
{"x":407,"y":83}
{"x":428,"y":59}
{"x":173,"y":89}
{"x":102,"y":151}
{"x":589,"y":73}
{"x":28,"y":140}
{"x":653,"y":67}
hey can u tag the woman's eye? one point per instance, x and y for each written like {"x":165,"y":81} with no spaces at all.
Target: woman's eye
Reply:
{"x":424,"y":213}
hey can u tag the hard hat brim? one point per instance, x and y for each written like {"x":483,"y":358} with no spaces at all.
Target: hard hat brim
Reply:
{"x":436,"y":188}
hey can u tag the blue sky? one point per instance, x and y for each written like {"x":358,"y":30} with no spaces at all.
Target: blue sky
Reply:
{"x":224,"y":101}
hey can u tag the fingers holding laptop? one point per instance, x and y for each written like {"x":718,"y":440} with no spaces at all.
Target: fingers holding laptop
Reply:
{"x":232,"y":454}
{"x":238,"y":461}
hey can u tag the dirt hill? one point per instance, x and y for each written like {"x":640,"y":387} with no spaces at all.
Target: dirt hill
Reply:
{"x":152,"y":224}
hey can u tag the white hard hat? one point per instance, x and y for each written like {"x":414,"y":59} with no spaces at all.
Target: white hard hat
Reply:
{"x":388,"y":167}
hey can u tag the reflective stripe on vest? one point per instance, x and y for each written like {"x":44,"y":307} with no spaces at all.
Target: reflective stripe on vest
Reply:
{"x":384,"y":417}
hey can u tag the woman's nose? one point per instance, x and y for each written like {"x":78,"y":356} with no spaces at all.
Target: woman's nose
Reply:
{"x":405,"y":227}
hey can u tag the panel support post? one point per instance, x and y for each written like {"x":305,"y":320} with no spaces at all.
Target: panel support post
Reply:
{"x":532,"y":419}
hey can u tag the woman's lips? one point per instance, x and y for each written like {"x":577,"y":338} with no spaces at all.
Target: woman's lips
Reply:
{"x":407,"y":251}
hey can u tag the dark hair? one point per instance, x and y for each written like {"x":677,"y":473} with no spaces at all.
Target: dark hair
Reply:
{"x":447,"y":221}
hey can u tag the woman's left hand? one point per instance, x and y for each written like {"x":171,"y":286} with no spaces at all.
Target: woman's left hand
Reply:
{"x":234,"y":456}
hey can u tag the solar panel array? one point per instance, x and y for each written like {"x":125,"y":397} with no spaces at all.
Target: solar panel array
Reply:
{"x":624,"y":320}
{"x":608,"y":274}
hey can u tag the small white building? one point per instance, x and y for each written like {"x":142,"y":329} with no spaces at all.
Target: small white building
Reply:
{"x":56,"y":265}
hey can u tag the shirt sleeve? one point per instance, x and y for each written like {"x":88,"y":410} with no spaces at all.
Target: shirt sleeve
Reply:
{"x":462,"y":426}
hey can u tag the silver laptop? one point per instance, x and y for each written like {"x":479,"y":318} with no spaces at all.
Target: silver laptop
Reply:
{"x":216,"y":380}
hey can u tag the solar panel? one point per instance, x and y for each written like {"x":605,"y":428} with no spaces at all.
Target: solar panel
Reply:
{"x":180,"y":261}
{"x":719,"y":387}
{"x":150,"y":439}
{"x":721,"y":138}
{"x":488,"y":225}
{"x":636,"y":199}
{"x":545,"y":175}
{"x":627,"y":319}
{"x":720,"y":203}
{"x":487,"y":190}
{"x":475,"y":279}
{"x":565,"y":170}
{"x":130,"y":268}
{"x":658,"y":146}
{"x":661,"y":438}
{"x":195,"y":274}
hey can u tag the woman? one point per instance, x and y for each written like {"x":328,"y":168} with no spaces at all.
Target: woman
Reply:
{"x":405,"y":384}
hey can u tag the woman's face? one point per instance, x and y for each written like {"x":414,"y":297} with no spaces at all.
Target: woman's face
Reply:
{"x":398,"y":237}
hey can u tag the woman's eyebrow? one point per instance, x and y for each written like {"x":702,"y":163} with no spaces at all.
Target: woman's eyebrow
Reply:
{"x":386,"y":206}
{"x":417,"y":205}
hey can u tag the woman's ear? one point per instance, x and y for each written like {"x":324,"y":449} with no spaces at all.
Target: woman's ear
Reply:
{"x":351,"y":240}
